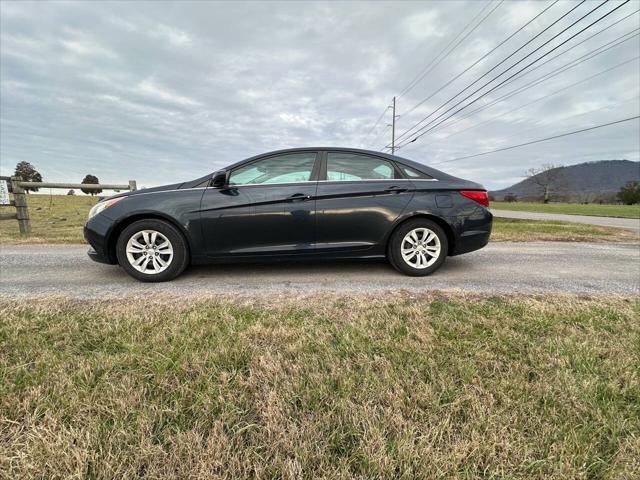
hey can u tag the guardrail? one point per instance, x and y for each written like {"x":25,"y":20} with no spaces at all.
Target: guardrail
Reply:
{"x":18,"y":186}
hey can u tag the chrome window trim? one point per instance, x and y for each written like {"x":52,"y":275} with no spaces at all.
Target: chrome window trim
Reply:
{"x":244,"y":185}
{"x":386,"y":180}
{"x":393,"y":180}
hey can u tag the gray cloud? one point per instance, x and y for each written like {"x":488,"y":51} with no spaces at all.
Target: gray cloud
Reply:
{"x":162,"y":92}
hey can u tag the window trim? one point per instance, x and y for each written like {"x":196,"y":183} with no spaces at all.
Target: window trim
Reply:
{"x":315,"y":171}
{"x":397,"y":173}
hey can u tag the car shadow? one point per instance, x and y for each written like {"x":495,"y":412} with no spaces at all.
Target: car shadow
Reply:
{"x":320,"y":268}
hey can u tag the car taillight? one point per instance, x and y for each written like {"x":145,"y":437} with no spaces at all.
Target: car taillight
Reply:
{"x":479,"y":196}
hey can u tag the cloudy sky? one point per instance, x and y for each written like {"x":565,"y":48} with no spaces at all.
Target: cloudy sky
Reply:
{"x":162,"y":92}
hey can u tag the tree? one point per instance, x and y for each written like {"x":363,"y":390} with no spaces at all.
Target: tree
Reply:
{"x":92,"y":179}
{"x":630,"y":193}
{"x":71,"y":192}
{"x":28,"y":173}
{"x":510,"y":197}
{"x":550,"y":179}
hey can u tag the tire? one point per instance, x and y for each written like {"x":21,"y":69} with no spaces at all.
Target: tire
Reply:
{"x":426,"y":250}
{"x":166,"y":254}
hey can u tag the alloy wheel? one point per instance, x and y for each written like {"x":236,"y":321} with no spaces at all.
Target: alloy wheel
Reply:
{"x":420,"y":248}
{"x":149,"y":252}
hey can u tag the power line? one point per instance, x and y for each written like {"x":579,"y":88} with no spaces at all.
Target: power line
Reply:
{"x":480,"y":59}
{"x":545,"y":123}
{"x":433,"y":65}
{"x":543,"y":78}
{"x":539,"y":140}
{"x":375,"y":140}
{"x":554,"y":57}
{"x":377,"y":122}
{"x":557,"y":71}
{"x":422,"y":129}
{"x":503,"y":61}
{"x":412,"y":82}
{"x":496,"y":117}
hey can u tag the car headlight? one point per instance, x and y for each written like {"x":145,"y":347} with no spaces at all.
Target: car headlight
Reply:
{"x":100,"y":206}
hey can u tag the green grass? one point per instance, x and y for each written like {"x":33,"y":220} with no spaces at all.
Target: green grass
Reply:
{"x":361,"y":387}
{"x":54,"y":219}
{"x":622,"y":211}
{"x":516,"y":230}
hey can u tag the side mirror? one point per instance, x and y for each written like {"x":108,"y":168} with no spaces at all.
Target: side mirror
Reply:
{"x":219,"y":179}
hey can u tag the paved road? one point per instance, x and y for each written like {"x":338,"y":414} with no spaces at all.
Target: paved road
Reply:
{"x":498,"y":268}
{"x":628,"y":223}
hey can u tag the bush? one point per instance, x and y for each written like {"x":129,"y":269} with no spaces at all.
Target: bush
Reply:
{"x":630,"y":193}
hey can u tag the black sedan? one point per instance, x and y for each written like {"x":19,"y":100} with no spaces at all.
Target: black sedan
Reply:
{"x":298,"y":203}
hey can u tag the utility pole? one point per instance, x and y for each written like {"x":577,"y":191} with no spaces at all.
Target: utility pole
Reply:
{"x":393,"y":128}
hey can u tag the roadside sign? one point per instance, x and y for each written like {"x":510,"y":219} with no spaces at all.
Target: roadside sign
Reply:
{"x":4,"y":193}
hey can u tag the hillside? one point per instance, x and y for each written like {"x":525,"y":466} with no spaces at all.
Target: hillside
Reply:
{"x":589,"y":181}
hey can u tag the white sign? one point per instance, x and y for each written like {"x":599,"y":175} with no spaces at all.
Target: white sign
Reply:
{"x":4,"y":193}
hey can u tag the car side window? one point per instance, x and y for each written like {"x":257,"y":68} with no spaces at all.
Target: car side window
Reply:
{"x":413,"y":173}
{"x":353,"y":166}
{"x":290,"y":168}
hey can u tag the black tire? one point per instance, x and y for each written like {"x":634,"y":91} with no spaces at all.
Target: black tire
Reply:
{"x":178,"y":262}
{"x":394,"y":253}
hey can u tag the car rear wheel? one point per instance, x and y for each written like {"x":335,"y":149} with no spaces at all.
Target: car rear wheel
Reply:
{"x":418,"y":247}
{"x":152,"y":251}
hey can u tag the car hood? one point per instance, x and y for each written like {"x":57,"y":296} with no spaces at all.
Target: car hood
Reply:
{"x":172,"y":186}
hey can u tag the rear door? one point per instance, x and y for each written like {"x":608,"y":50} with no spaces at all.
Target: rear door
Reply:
{"x":268,"y":207}
{"x":358,"y":198}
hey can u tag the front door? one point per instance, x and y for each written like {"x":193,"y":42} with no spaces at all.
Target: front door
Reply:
{"x":268,"y":207}
{"x":358,"y":199}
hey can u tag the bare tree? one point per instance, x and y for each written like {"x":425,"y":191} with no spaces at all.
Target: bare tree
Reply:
{"x":550,"y":179}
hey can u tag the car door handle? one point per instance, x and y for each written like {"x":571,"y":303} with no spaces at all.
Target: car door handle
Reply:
{"x":396,"y":189}
{"x":299,"y":197}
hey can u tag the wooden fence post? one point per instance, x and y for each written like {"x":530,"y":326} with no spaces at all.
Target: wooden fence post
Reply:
{"x":132,"y":185}
{"x":20,"y":201}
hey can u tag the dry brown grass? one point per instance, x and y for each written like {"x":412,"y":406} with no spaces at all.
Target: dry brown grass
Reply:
{"x":54,"y":219}
{"x":400,"y":386}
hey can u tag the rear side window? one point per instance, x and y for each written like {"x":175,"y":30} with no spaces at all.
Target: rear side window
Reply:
{"x":351,"y":166}
{"x":412,"y":172}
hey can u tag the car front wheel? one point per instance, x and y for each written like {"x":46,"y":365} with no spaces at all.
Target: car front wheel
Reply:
{"x":418,"y":247}
{"x":152,"y":251}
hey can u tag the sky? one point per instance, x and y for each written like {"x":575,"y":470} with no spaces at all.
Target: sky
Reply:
{"x":163,"y":92}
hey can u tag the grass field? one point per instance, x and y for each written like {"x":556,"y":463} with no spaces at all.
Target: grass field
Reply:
{"x":54,"y":219}
{"x":622,"y":211}
{"x":354,"y":387}
{"x":516,"y":230}
{"x":59,"y":219}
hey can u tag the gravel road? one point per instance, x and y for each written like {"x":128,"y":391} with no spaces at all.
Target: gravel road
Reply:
{"x":628,"y":223}
{"x":500,"y":267}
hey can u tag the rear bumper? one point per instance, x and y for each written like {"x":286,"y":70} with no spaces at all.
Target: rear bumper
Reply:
{"x":472,"y":232}
{"x":471,"y":241}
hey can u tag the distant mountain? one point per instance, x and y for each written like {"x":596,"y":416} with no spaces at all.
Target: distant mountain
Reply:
{"x":591,"y":181}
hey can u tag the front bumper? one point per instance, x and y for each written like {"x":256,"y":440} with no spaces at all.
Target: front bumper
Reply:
{"x":96,"y":232}
{"x":96,"y":257}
